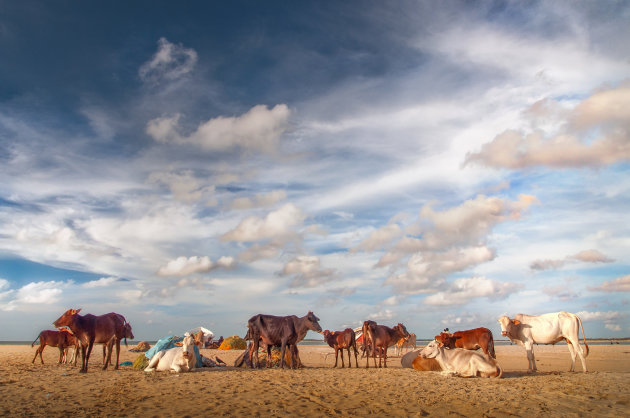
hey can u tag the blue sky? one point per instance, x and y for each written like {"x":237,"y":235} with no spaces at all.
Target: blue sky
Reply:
{"x":198,"y":163}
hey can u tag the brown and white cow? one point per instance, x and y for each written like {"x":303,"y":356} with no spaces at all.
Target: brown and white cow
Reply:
{"x":472,"y":339}
{"x":551,"y":328}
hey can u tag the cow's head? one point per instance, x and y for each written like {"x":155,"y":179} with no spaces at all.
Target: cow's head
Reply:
{"x":402,"y":331}
{"x":507,"y":325}
{"x":447,"y":339}
{"x":313,"y":322}
{"x":128,"y":332}
{"x":431,"y":350}
{"x":67,"y":318}
{"x":187,"y":345}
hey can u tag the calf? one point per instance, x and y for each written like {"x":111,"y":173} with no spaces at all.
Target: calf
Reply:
{"x":340,"y":340}
{"x":413,"y":360}
{"x":127,"y":333}
{"x":60,"y":339}
{"x":527,"y":330}
{"x":472,"y":339}
{"x":177,"y":359}
{"x":409,"y":342}
{"x":462,"y":362}
{"x":90,"y":329}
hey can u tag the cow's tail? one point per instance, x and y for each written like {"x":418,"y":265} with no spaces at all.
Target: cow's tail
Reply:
{"x":491,"y":346}
{"x":500,"y":371}
{"x":38,"y":336}
{"x":583,"y":336}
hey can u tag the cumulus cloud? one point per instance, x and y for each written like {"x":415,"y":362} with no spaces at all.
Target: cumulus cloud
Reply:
{"x":620,"y":284}
{"x":586,"y":256}
{"x":307,"y":272}
{"x":384,"y":315}
{"x":464,"y":290}
{"x":380,"y":238}
{"x":277,"y":225}
{"x":561,"y":292}
{"x":185,"y":266}
{"x":259,"y":129}
{"x":36,"y":293}
{"x":610,"y":319}
{"x":169,"y":63}
{"x":183,"y":185}
{"x":605,"y":115}
{"x":102,"y":282}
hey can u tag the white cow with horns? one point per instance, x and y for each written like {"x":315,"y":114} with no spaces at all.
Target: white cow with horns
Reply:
{"x":551,"y":328}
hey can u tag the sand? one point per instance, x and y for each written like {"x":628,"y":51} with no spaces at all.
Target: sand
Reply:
{"x":54,"y":390}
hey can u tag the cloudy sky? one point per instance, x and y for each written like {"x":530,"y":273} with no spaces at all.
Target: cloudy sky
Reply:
{"x":435,"y":164}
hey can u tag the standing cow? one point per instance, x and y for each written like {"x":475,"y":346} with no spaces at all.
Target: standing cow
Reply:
{"x":551,"y":328}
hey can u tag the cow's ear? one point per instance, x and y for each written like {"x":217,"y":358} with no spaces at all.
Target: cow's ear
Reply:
{"x":179,"y":344}
{"x":440,"y":344}
{"x":516,"y":322}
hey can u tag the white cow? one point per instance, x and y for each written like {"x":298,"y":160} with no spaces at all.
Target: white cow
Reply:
{"x":465,"y":363}
{"x":178,"y":359}
{"x":527,"y":330}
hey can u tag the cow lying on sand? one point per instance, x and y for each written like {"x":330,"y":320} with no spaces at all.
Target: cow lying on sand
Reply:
{"x":413,"y":360}
{"x":462,"y":362}
{"x":472,"y":339}
{"x":177,"y":359}
{"x":527,"y":330}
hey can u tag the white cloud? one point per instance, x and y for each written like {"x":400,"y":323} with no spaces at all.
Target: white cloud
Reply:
{"x":384,"y":315}
{"x":610,"y":319}
{"x":182,"y":266}
{"x":380,"y":238}
{"x":184,"y":185}
{"x":465,"y":290}
{"x":586,"y":256}
{"x":258,"y":201}
{"x":278,"y":225}
{"x":102,"y":282}
{"x":36,"y":293}
{"x":259,"y":129}
{"x":620,"y":284}
{"x":605,"y":114}
{"x":307,"y":272}
{"x":170,"y":62}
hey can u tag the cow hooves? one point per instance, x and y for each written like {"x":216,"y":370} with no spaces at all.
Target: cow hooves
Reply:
{"x":82,"y":371}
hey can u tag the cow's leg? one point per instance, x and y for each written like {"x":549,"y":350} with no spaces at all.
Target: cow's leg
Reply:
{"x":574,"y":348}
{"x":117,"y":354}
{"x":253,"y":355}
{"x":385,"y":360}
{"x":83,"y":362}
{"x":571,"y":354}
{"x":529,"y":348}
{"x":39,"y":351}
{"x":153,"y":363}
{"x":283,"y":348}
{"x":349,"y":357}
{"x":60,"y":353}
{"x":87,"y":354}
{"x":356,"y":362}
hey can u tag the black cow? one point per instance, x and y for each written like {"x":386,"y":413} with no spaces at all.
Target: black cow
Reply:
{"x":279,"y":331}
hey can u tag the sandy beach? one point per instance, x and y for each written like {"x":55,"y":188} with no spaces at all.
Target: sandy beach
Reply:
{"x":28,"y":389}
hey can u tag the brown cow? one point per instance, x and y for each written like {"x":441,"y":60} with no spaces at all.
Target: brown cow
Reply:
{"x":472,"y":339}
{"x":110,"y":345}
{"x":379,"y":338}
{"x":340,"y":340}
{"x":413,"y":360}
{"x":60,"y":339}
{"x":90,"y":329}
{"x":280,"y":331}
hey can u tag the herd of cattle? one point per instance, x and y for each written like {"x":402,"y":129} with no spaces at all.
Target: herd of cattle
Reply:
{"x":450,"y":352}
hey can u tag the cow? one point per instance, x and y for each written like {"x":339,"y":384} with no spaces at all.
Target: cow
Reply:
{"x":90,"y":329}
{"x":280,"y":331}
{"x":413,"y":360}
{"x":61,"y":339}
{"x":461,"y":362}
{"x":177,"y":359}
{"x":340,"y":340}
{"x":379,"y":338}
{"x":127,"y":333}
{"x":472,"y":339}
{"x":403,"y":343}
{"x":551,"y":328}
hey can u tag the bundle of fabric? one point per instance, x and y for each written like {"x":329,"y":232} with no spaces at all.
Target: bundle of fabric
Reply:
{"x":233,"y":343}
{"x":141,"y":347}
{"x":141,"y":362}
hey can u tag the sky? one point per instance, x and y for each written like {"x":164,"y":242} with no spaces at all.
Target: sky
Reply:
{"x":197,"y":163}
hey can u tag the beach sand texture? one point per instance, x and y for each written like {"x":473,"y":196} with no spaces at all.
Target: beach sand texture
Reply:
{"x":317,"y":390}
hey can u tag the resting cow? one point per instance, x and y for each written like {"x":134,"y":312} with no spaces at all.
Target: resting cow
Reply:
{"x":340,"y":340}
{"x":413,"y":360}
{"x":279,"y":331}
{"x":61,"y":339}
{"x":177,"y":359}
{"x":527,"y":330}
{"x":472,"y":339}
{"x":90,"y":329}
{"x":462,"y":362}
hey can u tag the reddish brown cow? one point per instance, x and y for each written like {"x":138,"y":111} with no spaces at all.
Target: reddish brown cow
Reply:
{"x":340,"y":340}
{"x":472,"y":339}
{"x":60,"y":339}
{"x":379,"y":338}
{"x":110,"y":345}
{"x":90,"y":329}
